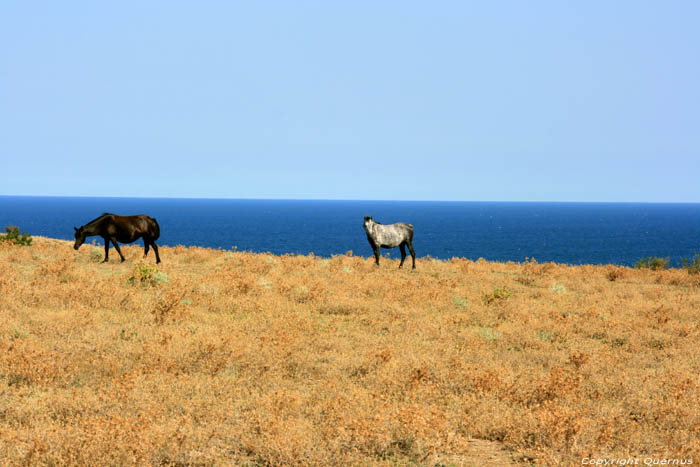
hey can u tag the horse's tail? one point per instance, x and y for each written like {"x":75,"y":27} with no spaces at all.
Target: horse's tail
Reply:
{"x":156,"y":229}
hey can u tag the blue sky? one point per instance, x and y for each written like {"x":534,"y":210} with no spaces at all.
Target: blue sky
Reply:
{"x":500,"y":101}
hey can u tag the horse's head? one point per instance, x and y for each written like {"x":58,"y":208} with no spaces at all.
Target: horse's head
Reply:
{"x":79,"y":237}
{"x":368,"y":222}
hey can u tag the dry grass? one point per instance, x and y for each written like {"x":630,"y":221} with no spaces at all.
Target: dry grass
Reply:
{"x":223,"y":357}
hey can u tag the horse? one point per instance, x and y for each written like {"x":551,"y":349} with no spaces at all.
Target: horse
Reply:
{"x":390,"y":236}
{"x":125,"y":229}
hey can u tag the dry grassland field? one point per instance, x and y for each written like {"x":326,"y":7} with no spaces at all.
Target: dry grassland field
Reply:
{"x":232,"y":358}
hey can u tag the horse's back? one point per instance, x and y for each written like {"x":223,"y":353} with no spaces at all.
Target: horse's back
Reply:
{"x":392,"y":235}
{"x":139,"y":224}
{"x":403,"y":226}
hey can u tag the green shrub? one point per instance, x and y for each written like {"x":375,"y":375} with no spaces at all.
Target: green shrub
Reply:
{"x":145,"y":275}
{"x":489,"y":334}
{"x":12,"y":235}
{"x":544,"y":335}
{"x":95,"y":255}
{"x":499,"y":294}
{"x":652,"y":262}
{"x":558,"y":288}
{"x":693,"y":265}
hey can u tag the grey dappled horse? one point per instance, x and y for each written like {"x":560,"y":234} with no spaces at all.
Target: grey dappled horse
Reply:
{"x":125,"y":229}
{"x":390,"y":236}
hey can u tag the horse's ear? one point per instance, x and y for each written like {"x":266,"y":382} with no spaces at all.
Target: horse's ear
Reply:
{"x":75,"y":228}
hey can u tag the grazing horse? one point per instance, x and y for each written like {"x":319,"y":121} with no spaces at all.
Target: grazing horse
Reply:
{"x":390,"y":236}
{"x":125,"y":229}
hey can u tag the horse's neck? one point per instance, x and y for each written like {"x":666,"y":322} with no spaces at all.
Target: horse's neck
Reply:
{"x":376,"y":229}
{"x":94,"y":227}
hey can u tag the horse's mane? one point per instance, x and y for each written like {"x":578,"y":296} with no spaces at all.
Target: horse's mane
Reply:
{"x":98,"y":218}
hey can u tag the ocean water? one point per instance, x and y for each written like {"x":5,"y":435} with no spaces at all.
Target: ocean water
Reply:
{"x":573,"y":233}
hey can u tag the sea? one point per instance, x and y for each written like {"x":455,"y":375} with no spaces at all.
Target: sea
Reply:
{"x":571,"y":233}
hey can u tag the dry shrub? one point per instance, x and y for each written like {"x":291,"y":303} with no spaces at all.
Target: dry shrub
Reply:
{"x":529,"y":272}
{"x":614,"y":273}
{"x":168,"y":305}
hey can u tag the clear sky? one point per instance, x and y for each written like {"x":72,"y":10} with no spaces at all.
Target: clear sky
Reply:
{"x":502,"y":101}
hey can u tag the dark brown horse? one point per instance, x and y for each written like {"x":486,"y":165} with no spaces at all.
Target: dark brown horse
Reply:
{"x":125,"y":229}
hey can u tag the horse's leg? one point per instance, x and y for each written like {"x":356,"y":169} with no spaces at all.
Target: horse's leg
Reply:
{"x":106,"y":250}
{"x":116,"y":247}
{"x":145,"y":246}
{"x":402,"y":247}
{"x":377,"y":254}
{"x":413,"y":253}
{"x":155,"y":248}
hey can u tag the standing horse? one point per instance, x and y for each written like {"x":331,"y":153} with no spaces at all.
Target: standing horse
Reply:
{"x":390,"y":236}
{"x":125,"y":229}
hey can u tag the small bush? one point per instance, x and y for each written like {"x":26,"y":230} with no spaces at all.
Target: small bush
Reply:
{"x":557,"y":288}
{"x":693,"y":265}
{"x":147,"y":275}
{"x":544,"y":335}
{"x":530,"y":269}
{"x":167,"y":305}
{"x":489,"y":334}
{"x":499,"y":294}
{"x":95,"y":255}
{"x":13,"y":236}
{"x":614,"y":272}
{"x":652,"y":262}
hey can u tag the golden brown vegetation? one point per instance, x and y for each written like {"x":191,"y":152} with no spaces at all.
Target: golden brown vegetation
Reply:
{"x":220,"y":357}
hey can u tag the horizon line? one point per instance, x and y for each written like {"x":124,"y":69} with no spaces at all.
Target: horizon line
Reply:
{"x":347,"y":199}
